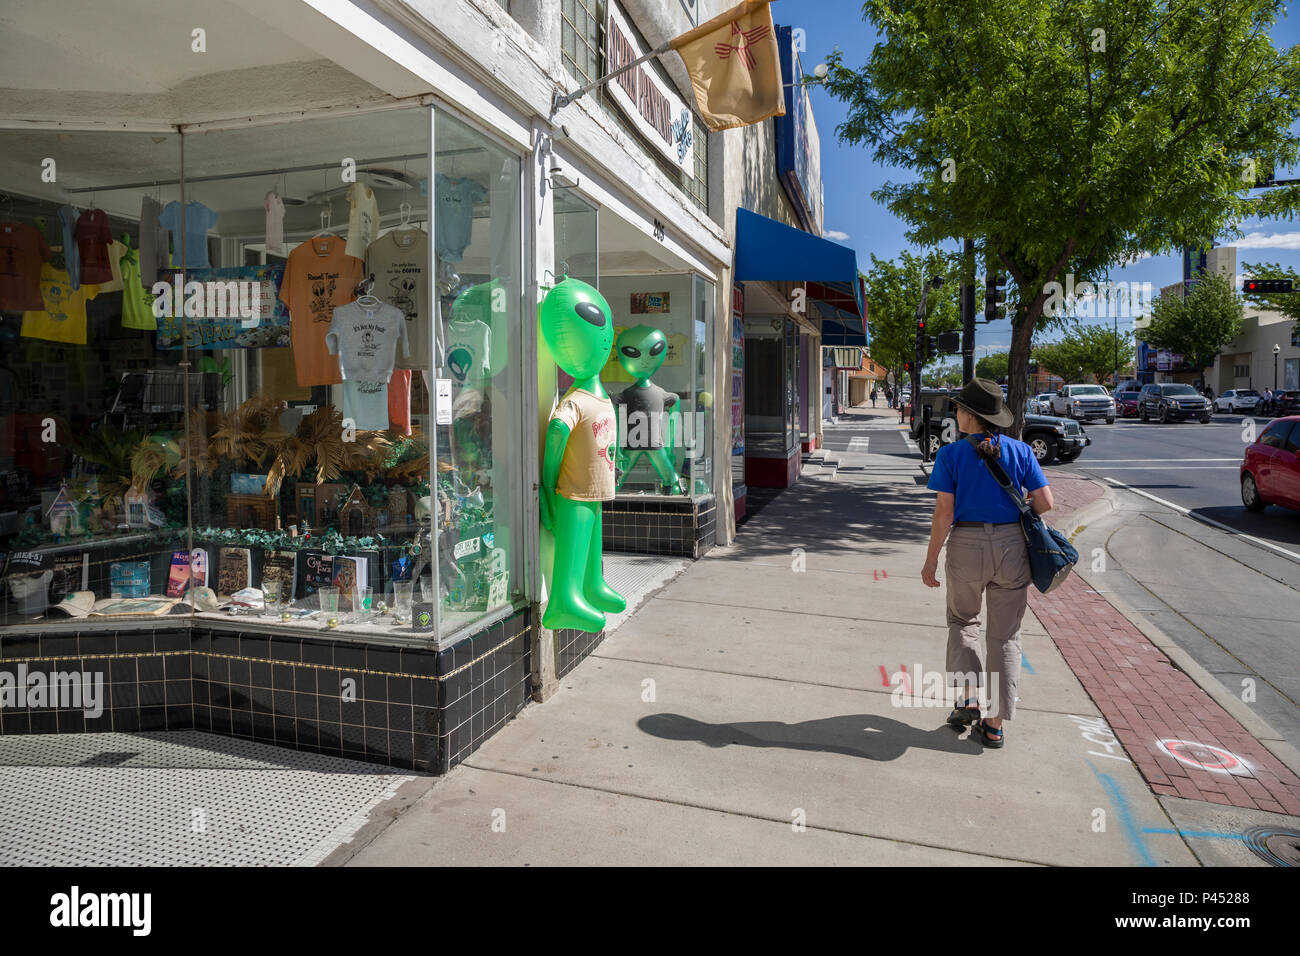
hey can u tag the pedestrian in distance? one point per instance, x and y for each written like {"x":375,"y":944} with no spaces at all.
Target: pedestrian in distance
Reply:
{"x":986,"y":557}
{"x":873,"y":398}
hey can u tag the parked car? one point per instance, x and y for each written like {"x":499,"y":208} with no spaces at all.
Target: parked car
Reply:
{"x":1084,"y":402}
{"x":1051,"y":438}
{"x":1126,"y":402}
{"x":1173,"y":402}
{"x":1270,"y":468}
{"x":1287,"y":401}
{"x":1041,"y":404}
{"x":1238,"y":400}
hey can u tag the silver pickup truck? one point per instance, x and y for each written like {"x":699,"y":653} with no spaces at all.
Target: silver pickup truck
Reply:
{"x":1084,"y":403}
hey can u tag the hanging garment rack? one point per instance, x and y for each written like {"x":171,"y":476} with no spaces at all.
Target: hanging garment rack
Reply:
{"x":150,"y":184}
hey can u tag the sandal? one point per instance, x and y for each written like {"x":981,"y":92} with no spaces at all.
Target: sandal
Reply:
{"x":963,"y":715}
{"x":991,"y":736}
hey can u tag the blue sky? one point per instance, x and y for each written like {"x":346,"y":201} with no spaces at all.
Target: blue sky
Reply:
{"x":850,"y":175}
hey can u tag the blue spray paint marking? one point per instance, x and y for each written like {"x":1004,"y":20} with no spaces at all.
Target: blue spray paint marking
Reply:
{"x":1024,"y":662}
{"x":1125,"y":818}
{"x":1197,"y":833}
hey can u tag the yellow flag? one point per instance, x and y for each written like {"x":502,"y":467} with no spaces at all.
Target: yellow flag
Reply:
{"x":734,"y":66}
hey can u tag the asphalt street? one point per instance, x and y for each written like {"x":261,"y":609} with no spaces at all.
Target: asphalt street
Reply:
{"x":1227,"y":592}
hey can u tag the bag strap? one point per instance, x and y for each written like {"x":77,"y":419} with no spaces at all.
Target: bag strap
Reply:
{"x":1002,"y":478}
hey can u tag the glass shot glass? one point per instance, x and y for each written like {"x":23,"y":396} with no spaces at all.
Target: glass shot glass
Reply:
{"x":402,"y":593}
{"x":329,"y":601}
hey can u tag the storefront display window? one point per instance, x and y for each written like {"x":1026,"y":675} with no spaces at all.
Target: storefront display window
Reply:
{"x":225,"y":352}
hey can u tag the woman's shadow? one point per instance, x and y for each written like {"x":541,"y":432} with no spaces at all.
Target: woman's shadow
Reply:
{"x":855,"y":735}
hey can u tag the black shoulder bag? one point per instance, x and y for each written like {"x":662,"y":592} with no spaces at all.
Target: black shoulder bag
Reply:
{"x":1051,"y":556}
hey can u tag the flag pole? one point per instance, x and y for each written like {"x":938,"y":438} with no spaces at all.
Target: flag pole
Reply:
{"x":559,"y":101}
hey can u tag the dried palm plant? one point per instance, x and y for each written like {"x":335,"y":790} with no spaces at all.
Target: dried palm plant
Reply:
{"x":152,"y":456}
{"x":250,"y":433}
{"x":318,"y":441}
{"x":411,"y":458}
{"x":194,"y":445}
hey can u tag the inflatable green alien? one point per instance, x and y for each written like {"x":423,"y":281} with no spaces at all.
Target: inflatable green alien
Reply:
{"x":641,"y":351}
{"x":578,"y":467}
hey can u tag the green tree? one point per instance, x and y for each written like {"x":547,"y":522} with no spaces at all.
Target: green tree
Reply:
{"x":1067,"y":136}
{"x":993,"y":366}
{"x":1086,"y":351}
{"x":894,"y":289}
{"x":1199,"y":325}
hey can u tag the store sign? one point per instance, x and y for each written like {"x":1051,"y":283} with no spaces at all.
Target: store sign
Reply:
{"x":798,"y":145}
{"x":737,"y":370}
{"x":845,"y":357}
{"x":653,"y":106}
{"x":231,"y":308}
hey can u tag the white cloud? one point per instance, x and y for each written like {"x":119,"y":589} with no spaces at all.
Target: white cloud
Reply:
{"x":836,"y":235}
{"x":1264,"y":240}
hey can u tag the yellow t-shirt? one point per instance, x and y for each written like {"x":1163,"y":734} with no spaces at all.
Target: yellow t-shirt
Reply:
{"x":587,"y":471}
{"x":64,"y":318}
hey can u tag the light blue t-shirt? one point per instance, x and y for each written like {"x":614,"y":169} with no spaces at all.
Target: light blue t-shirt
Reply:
{"x":198,"y":220}
{"x":959,"y":470}
{"x":71,"y":254}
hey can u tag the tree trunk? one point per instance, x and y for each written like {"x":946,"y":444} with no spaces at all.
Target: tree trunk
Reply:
{"x":1022,"y":333}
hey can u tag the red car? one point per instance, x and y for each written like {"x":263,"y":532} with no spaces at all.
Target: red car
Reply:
{"x":1126,"y":403}
{"x":1270,"y":471}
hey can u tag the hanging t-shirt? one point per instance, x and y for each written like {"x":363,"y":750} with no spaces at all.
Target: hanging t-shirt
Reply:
{"x":318,"y":278}
{"x":399,"y":401}
{"x":198,"y":220}
{"x":71,"y":258}
{"x":366,"y":340}
{"x":22,"y":251}
{"x":64,"y":316}
{"x":454,"y":217}
{"x":467,"y":351}
{"x":137,"y":304}
{"x":93,"y":236}
{"x":274,"y":222}
{"x":153,"y":242}
{"x":363,"y":219}
{"x":587,"y":471}
{"x":116,"y":250}
{"x":398,"y":260}
{"x":366,"y":403}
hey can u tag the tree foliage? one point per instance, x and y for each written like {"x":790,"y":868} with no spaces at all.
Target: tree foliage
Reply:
{"x":993,"y":367}
{"x":1086,"y":351}
{"x":1067,"y":136}
{"x":894,"y":289}
{"x":1198,"y":325}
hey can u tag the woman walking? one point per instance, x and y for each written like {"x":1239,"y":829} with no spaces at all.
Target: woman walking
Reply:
{"x":986,"y":554}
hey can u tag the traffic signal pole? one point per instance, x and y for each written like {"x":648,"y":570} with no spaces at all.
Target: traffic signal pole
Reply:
{"x":968,"y":311}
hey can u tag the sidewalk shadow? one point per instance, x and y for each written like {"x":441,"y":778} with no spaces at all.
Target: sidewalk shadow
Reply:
{"x":869,"y":736}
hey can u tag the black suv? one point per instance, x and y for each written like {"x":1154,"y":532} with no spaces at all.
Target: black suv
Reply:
{"x":1287,"y":402}
{"x":1172,"y":402}
{"x":1051,"y":438}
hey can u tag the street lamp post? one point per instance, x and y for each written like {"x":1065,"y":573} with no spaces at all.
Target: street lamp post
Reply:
{"x":1276,"y":350}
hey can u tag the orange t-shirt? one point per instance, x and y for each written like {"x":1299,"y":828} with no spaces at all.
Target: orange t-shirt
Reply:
{"x":319,"y":276}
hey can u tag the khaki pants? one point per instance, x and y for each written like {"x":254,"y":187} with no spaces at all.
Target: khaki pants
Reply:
{"x":990,"y":559}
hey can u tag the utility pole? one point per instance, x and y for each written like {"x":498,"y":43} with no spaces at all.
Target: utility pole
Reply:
{"x":968,"y":311}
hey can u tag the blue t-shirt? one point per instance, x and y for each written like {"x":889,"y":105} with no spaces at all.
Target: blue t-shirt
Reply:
{"x":959,"y":470}
{"x":198,"y":220}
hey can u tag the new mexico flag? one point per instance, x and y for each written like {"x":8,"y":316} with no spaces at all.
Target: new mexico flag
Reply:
{"x":734,"y":66}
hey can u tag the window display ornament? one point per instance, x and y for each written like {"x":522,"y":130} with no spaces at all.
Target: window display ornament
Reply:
{"x":578,"y":469}
{"x":651,"y":426}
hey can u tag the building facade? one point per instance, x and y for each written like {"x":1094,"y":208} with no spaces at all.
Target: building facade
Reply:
{"x":272,"y":331}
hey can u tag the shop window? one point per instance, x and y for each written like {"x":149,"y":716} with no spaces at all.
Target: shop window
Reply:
{"x":254,"y":434}
{"x":582,"y":37}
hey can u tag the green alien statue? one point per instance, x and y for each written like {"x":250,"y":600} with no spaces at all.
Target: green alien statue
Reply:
{"x":641,"y":351}
{"x":578,"y":467}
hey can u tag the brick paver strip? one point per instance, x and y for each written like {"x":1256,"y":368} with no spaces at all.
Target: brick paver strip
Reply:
{"x":1144,"y":698}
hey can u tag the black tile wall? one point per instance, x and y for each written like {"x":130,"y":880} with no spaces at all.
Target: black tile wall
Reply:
{"x":416,"y":708}
{"x":684,"y":527}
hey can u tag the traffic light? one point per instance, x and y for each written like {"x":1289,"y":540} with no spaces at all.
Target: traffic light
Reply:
{"x":994,"y":297}
{"x":931,"y":347}
{"x":907,"y":366}
{"x":949,"y":342}
{"x":1251,"y":286}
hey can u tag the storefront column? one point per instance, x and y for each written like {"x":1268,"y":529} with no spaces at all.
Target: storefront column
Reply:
{"x":540,"y":256}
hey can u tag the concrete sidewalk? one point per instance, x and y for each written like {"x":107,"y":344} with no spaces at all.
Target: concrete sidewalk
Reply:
{"x":745,"y":715}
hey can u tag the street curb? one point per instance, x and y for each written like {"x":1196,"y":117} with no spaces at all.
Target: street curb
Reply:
{"x":1255,"y":725}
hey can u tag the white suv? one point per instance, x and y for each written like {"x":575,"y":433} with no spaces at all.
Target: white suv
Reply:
{"x":1238,"y":400}
{"x":1084,"y":403}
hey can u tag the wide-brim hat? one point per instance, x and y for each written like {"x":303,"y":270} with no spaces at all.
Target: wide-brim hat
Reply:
{"x":983,"y":398}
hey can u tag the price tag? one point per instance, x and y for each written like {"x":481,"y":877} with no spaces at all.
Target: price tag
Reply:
{"x":442,"y":387}
{"x":468,"y":546}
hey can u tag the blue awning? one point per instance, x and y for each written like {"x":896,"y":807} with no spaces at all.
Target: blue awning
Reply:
{"x":771,"y":251}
